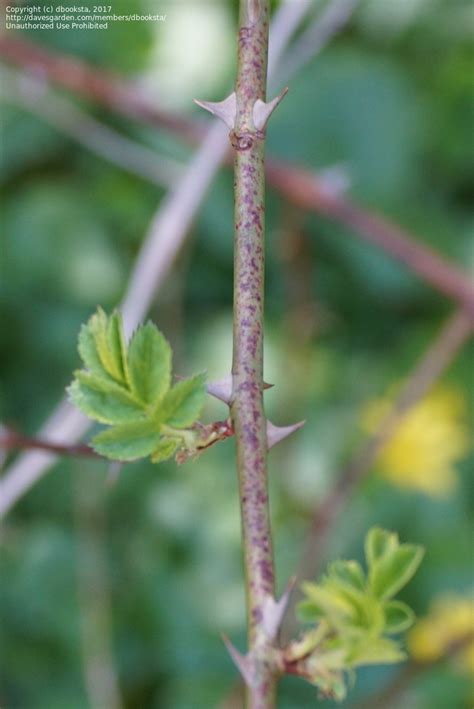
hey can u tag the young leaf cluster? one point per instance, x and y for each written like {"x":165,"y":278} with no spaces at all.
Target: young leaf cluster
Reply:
{"x":355,"y":613}
{"x":129,"y":389}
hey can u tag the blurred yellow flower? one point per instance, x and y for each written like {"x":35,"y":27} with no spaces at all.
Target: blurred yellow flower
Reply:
{"x":430,"y":439}
{"x":451,"y":618}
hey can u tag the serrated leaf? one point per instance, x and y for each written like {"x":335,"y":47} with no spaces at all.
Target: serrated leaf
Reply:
{"x":398,"y":617}
{"x":164,"y":450}
{"x":378,"y":543}
{"x":103,"y":401}
{"x":127,"y":441}
{"x":182,"y":405}
{"x":394,"y":570}
{"x":149,"y":361}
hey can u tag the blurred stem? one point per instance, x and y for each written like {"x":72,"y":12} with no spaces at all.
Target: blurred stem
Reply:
{"x":302,"y":187}
{"x":247,"y":411}
{"x":93,"y":592}
{"x":33,"y":95}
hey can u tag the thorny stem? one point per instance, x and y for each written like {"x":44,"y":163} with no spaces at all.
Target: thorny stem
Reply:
{"x":247,"y":367}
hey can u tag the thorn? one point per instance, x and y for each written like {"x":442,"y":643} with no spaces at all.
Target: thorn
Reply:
{"x":226,"y":110}
{"x":222,"y":388}
{"x":275,"y":434}
{"x":274,"y":611}
{"x":241,"y":661}
{"x":262,"y":111}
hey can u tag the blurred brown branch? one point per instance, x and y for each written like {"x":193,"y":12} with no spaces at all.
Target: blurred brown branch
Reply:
{"x":11,"y":440}
{"x":300,"y":186}
{"x":304,"y":190}
{"x":33,"y":95}
{"x":94,"y":84}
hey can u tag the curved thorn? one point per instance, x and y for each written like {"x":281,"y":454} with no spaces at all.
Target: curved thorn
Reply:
{"x":226,"y":110}
{"x":262,"y":111}
{"x":274,"y":611}
{"x":221,"y":389}
{"x":275,"y":434}
{"x":241,"y":661}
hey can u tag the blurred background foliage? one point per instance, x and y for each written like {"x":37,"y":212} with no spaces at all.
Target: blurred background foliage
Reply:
{"x":142,"y":573}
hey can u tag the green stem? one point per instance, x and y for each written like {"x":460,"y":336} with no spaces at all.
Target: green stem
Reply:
{"x":247,"y":411}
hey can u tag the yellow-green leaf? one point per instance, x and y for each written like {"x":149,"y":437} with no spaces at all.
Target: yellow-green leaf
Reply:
{"x":105,"y":332}
{"x":376,"y":651}
{"x":349,"y":573}
{"x":398,"y":616}
{"x":393,"y":571}
{"x":117,"y":346}
{"x":89,"y":353}
{"x":378,"y":543}
{"x":164,"y":450}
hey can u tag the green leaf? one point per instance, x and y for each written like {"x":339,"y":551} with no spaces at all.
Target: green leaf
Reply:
{"x":378,"y":543}
{"x":398,"y":617}
{"x":108,"y":340}
{"x":128,"y":441}
{"x":130,"y":389}
{"x":376,"y":651}
{"x":310,"y":611}
{"x":328,"y":603}
{"x":117,"y":347}
{"x":164,"y":450}
{"x":103,"y":401}
{"x":183,"y":404}
{"x":394,"y":570}
{"x":149,"y":358}
{"x":89,"y":354}
{"x":349,"y":573}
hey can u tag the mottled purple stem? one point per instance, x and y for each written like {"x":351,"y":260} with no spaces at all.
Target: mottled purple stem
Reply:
{"x":247,"y":368}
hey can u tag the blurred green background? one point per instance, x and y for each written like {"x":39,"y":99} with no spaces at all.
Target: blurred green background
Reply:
{"x":138,"y":576}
